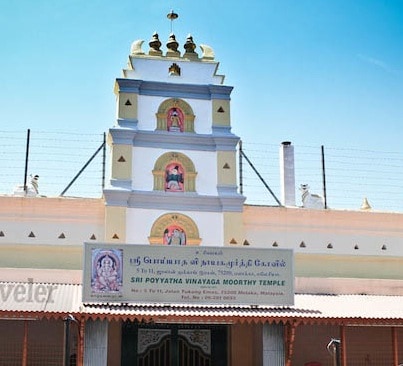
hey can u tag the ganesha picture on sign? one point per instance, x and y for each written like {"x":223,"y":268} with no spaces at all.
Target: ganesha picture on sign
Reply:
{"x":106,"y":275}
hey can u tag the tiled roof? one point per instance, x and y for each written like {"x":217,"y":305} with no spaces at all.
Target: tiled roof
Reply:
{"x":22,"y":299}
{"x":307,"y":308}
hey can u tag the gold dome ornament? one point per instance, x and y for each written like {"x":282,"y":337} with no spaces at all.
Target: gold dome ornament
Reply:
{"x":155,"y":45}
{"x":172,"y":46}
{"x":190,"y":47}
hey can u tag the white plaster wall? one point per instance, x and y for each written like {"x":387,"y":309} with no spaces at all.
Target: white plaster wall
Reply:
{"x":287,"y":175}
{"x":205,"y":164}
{"x":317,"y":243}
{"x":48,"y":218}
{"x":49,"y":232}
{"x":140,"y":221}
{"x":157,"y":69}
{"x":319,"y":228}
{"x":148,"y":107}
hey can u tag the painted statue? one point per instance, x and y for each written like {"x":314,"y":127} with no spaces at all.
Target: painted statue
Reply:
{"x":175,"y":120}
{"x":174,"y":235}
{"x":174,"y":178}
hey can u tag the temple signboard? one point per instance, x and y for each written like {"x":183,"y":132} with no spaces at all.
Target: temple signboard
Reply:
{"x":187,"y":274}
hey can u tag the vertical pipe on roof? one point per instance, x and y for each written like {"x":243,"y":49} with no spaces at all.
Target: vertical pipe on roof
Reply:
{"x":287,"y":174}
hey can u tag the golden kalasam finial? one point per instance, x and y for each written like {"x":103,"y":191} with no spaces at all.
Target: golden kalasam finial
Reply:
{"x":189,"y":45}
{"x":172,"y":44}
{"x":172,"y":16}
{"x":155,"y":45}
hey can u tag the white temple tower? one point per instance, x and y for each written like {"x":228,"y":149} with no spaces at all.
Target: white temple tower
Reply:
{"x":173,"y":155}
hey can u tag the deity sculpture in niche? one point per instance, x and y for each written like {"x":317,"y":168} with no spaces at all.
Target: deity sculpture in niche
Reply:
{"x":174,"y":235}
{"x":174,"y":228}
{"x":174,"y":178}
{"x":175,"y":120}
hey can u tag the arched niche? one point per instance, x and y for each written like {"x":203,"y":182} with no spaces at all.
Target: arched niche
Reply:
{"x":176,"y":110}
{"x":165,"y":162}
{"x":164,"y":225}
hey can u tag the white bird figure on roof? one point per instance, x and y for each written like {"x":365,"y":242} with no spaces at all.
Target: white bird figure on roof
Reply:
{"x":310,"y":200}
{"x":32,"y":189}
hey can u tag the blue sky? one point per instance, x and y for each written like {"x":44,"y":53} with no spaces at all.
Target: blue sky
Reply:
{"x":309,"y":71}
{"x":324,"y":72}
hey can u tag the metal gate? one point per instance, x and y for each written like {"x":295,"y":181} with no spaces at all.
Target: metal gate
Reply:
{"x":193,"y":347}
{"x":173,"y":345}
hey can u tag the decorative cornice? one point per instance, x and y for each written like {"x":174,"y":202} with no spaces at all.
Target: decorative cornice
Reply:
{"x":221,"y":130}
{"x":127,"y":123}
{"x":228,"y":190}
{"x":181,"y":141}
{"x":224,"y":143}
{"x":122,"y":135}
{"x":125,"y":184}
{"x":232,"y":203}
{"x":127,"y":85}
{"x":154,"y":88}
{"x":220,"y":91}
{"x":181,"y":201}
{"x":116,"y":197}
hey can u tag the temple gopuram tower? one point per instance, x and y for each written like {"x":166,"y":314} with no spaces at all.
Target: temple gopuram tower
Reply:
{"x":173,"y":155}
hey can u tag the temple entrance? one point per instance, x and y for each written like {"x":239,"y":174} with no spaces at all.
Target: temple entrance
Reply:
{"x":173,"y":345}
